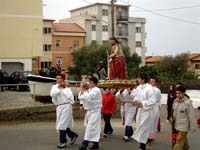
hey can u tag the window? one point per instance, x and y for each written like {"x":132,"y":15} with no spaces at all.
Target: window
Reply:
{"x":104,"y":12}
{"x":93,"y":27}
{"x":105,"y":28}
{"x":75,"y":45}
{"x":138,"y":29}
{"x":197,"y":66}
{"x":105,"y":42}
{"x":58,"y":43}
{"x":94,"y":42}
{"x":47,"y":47}
{"x":120,"y":31}
{"x":34,"y":60}
{"x":47,"y":30}
{"x":45,"y":64}
{"x":59,"y":60}
{"x":138,"y":44}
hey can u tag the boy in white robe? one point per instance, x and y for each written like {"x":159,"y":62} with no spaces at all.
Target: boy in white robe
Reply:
{"x":145,"y":101}
{"x":156,"y":110}
{"x":127,"y":96}
{"x":92,"y":103}
{"x":63,"y":98}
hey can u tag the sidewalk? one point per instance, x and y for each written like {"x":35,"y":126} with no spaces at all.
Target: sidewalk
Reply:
{"x":20,"y":106}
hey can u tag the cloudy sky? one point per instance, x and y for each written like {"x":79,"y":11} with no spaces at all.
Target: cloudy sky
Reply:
{"x":172,"y":27}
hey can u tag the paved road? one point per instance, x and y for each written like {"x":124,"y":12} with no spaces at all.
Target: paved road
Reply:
{"x":42,"y":136}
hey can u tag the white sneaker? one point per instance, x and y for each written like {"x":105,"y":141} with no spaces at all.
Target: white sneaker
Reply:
{"x":62,"y":145}
{"x":125,"y":138}
{"x":105,"y":135}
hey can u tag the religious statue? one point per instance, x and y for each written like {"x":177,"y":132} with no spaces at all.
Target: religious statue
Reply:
{"x":117,"y":62}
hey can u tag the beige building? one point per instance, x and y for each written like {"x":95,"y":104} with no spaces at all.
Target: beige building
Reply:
{"x":20,"y":34}
{"x":45,"y":61}
{"x":96,"y":20}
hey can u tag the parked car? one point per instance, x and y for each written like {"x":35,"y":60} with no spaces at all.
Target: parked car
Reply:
{"x":20,"y":77}
{"x":4,"y":78}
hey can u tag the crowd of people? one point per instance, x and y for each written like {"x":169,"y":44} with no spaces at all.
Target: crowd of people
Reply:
{"x":140,"y":104}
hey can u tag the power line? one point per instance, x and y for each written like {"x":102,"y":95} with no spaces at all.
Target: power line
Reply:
{"x":87,"y":1}
{"x":169,"y":17}
{"x":176,"y":8}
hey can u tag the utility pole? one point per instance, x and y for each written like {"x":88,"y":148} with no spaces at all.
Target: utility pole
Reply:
{"x":112,"y":17}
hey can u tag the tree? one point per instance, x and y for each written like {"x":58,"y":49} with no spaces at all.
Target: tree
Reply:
{"x":172,"y":69}
{"x":86,"y":59}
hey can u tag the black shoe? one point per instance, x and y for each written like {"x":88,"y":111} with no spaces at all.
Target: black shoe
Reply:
{"x":83,"y":147}
{"x":94,"y":147}
{"x":110,"y":132}
{"x":62,"y":145}
{"x":73,"y":140}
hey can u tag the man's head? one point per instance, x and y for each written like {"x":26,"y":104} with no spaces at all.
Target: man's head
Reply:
{"x":60,"y":78}
{"x":180,"y":91}
{"x":92,"y":82}
{"x":89,"y":75}
{"x":153,"y":81}
{"x":142,"y":77}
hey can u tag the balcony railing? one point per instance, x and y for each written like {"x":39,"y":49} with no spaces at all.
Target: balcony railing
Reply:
{"x":121,"y":17}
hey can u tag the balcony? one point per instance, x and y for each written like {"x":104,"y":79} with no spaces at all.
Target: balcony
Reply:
{"x":121,"y":17}
{"x":122,"y":33}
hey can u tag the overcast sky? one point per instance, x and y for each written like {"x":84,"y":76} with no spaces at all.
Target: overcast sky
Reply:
{"x":172,"y":27}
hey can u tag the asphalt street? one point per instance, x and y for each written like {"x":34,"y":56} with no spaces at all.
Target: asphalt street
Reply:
{"x":43,"y":136}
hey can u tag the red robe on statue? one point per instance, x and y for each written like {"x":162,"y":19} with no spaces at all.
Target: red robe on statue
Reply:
{"x":118,"y":68}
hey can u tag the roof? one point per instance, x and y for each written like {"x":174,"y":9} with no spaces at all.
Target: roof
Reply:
{"x":194,"y":57}
{"x":153,"y":59}
{"x":67,"y":27}
{"x":99,"y":3}
{"x":46,"y":19}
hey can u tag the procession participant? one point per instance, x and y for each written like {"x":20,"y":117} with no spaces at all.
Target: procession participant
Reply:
{"x":63,"y":98}
{"x":129,"y":110}
{"x":122,"y":111}
{"x":108,"y":108}
{"x":145,"y":101}
{"x":156,"y":110}
{"x":92,"y":103}
{"x":183,"y":117}
{"x":171,"y":96}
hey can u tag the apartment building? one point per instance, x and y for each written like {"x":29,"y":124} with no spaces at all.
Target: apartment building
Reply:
{"x":45,"y":61}
{"x":20,"y":34}
{"x":66,"y":39}
{"x":96,"y":19}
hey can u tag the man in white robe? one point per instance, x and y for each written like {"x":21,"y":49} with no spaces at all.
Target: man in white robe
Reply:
{"x":145,"y":101}
{"x":92,"y":103}
{"x":63,"y":98}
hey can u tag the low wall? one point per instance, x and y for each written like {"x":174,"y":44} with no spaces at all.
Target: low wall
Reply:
{"x":43,"y":113}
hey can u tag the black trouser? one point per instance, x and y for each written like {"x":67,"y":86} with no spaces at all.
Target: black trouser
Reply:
{"x":63,"y":133}
{"x":169,"y":111}
{"x":85,"y":144}
{"x":107,"y":128}
{"x":128,"y":131}
{"x":142,"y":146}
